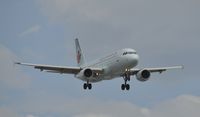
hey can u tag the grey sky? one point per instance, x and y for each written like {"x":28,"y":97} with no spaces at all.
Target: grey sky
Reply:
{"x":163,"y":32}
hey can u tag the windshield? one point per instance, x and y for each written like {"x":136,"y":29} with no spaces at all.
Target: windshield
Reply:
{"x":125,"y":53}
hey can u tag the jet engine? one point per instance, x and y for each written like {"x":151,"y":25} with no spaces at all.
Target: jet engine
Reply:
{"x":143,"y":75}
{"x":87,"y":73}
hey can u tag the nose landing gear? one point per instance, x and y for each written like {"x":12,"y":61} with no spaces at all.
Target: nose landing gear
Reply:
{"x":126,"y":77}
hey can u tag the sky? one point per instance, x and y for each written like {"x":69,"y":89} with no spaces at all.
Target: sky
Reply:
{"x":164,"y":33}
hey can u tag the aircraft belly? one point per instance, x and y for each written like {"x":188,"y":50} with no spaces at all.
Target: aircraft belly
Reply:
{"x":112,"y":69}
{"x":100,"y":78}
{"x":91,"y":79}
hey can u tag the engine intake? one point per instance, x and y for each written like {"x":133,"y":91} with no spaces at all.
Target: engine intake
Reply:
{"x":143,"y":75}
{"x":87,"y":73}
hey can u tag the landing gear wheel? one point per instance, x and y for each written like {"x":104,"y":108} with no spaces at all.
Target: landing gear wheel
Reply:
{"x":85,"y":86}
{"x":89,"y":86}
{"x":123,"y":86}
{"x":127,"y":86}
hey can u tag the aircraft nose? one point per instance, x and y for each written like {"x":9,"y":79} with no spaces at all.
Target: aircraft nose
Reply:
{"x":134,"y":59}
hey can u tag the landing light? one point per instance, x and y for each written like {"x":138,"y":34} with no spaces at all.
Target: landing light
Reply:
{"x":96,"y":74}
{"x":127,"y":70}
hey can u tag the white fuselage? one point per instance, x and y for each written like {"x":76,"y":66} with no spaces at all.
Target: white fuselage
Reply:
{"x":114,"y":65}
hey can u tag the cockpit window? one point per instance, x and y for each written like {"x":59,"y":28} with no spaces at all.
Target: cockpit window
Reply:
{"x":125,"y":53}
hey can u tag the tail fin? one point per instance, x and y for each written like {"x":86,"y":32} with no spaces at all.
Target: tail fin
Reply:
{"x":79,"y":54}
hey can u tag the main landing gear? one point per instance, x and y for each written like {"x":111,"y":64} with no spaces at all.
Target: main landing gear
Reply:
{"x":126,"y":78}
{"x":87,"y":85}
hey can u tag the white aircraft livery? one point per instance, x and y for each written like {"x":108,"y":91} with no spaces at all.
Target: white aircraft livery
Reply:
{"x":118,"y":64}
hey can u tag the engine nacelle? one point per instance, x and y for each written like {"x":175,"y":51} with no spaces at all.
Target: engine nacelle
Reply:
{"x":87,"y":73}
{"x":143,"y":75}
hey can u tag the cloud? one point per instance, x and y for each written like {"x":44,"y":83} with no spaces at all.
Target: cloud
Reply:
{"x":31,"y":116}
{"x":92,"y":115}
{"x":79,"y":10}
{"x":8,"y":112}
{"x":115,"y":24}
{"x":181,"y":106}
{"x":4,"y":112}
{"x":11,"y":77}
{"x":30,"y":30}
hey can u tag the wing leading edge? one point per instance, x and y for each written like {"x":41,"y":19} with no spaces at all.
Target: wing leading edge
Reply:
{"x":156,"y":69}
{"x":58,"y":69}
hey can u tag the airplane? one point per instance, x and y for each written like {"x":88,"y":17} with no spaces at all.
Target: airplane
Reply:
{"x":121,"y":63}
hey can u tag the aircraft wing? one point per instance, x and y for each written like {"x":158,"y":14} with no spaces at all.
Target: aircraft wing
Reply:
{"x":58,"y":69}
{"x":158,"y":69}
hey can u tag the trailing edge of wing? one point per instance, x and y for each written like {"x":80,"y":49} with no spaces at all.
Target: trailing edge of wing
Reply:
{"x":58,"y":69}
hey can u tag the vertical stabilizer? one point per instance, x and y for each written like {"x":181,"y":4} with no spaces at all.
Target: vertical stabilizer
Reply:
{"x":79,"y":54}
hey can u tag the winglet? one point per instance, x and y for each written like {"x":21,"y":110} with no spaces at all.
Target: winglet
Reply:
{"x":178,"y":67}
{"x":17,"y":63}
